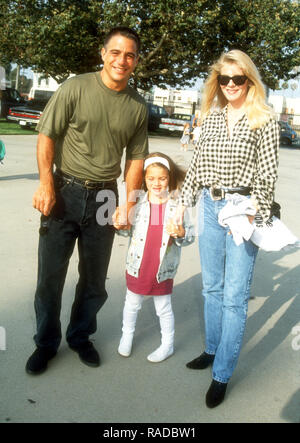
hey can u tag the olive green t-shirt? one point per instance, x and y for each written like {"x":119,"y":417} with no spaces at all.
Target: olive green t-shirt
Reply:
{"x":92,"y":125}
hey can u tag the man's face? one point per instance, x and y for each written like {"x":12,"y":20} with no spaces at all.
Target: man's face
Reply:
{"x":119,"y":61}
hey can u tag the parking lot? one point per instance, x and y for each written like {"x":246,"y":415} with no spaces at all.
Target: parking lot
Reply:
{"x":265,"y":385}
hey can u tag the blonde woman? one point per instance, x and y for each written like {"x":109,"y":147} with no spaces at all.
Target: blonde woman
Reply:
{"x":237,"y":152}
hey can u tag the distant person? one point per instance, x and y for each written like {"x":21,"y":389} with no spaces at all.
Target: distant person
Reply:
{"x":195,"y":121}
{"x":2,"y":151}
{"x":185,"y":138}
{"x":237,"y":153}
{"x":83,"y":131}
{"x":196,"y":133}
{"x":154,"y":253}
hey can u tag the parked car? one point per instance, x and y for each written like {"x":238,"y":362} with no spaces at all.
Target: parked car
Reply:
{"x":28,"y":114}
{"x":9,"y":97}
{"x":287,"y":134}
{"x":175,"y":122}
{"x":156,"y":113}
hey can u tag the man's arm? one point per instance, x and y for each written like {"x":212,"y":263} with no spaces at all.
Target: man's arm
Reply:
{"x":44,"y":197}
{"x":133,"y":175}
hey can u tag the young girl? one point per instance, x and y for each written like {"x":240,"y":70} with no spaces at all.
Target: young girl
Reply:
{"x":185,"y":139}
{"x":154,"y":253}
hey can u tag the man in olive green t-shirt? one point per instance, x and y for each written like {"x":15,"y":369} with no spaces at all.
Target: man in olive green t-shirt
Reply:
{"x":84,"y":129}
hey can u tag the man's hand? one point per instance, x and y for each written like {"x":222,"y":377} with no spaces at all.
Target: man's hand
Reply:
{"x":44,"y":198}
{"x":133,"y":175}
{"x":120,"y":218}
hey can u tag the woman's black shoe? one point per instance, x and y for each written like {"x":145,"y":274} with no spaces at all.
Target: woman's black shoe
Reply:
{"x":201,"y":362}
{"x":216,"y":393}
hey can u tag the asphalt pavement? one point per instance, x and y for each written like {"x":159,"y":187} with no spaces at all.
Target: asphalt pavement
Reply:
{"x":265,"y":387}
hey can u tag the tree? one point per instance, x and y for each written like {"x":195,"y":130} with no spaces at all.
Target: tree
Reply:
{"x":180,"y":38}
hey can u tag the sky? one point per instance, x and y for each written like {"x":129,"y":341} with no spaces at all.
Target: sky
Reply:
{"x":289,"y":93}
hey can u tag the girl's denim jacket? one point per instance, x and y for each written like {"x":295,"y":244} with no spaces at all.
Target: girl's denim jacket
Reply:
{"x":169,"y":254}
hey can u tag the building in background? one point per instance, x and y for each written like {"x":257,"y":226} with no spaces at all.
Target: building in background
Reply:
{"x":43,"y":87}
{"x":181,"y":101}
{"x":286,"y":109}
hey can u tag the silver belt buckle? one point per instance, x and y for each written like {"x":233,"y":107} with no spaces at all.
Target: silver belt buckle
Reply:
{"x":213,"y":190}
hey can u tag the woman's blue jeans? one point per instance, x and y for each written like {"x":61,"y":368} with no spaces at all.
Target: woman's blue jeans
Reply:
{"x":73,"y":218}
{"x":227,"y":271}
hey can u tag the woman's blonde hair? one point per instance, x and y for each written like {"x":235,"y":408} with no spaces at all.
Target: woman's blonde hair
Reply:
{"x":258,"y":112}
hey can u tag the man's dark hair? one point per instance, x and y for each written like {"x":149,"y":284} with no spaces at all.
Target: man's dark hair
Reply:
{"x":126,"y":32}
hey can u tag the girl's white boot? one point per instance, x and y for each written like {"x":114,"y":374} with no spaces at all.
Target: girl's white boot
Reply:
{"x":161,"y":353}
{"x":125,"y":345}
{"x":166,"y":319}
{"x":132,"y":305}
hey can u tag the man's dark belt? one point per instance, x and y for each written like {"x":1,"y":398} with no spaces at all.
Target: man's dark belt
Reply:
{"x":219,"y":193}
{"x":88,"y":184}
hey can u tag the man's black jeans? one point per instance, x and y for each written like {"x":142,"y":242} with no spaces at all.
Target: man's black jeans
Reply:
{"x":72,"y":218}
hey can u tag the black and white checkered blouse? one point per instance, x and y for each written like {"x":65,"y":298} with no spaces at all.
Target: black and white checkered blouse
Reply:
{"x":249,"y":158}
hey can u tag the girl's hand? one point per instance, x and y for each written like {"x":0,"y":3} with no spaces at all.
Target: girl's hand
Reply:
{"x":174,"y":230}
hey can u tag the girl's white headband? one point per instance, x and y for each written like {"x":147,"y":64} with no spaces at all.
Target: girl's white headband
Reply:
{"x":149,"y":161}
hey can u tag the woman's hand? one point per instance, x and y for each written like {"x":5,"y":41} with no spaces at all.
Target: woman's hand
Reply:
{"x":251,"y":218}
{"x":175,"y":230}
{"x":178,"y":219}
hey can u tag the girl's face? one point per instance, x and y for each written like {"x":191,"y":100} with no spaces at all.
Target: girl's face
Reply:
{"x":157,"y":182}
{"x":236,"y":95}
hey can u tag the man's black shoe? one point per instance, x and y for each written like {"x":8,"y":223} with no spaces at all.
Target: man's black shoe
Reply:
{"x":216,"y":393}
{"x":38,"y":361}
{"x":87,"y":354}
{"x":201,"y":362}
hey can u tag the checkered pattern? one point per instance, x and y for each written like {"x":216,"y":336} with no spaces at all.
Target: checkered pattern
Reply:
{"x":248,"y":158}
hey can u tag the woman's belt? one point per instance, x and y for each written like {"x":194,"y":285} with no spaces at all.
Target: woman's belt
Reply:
{"x":219,"y":193}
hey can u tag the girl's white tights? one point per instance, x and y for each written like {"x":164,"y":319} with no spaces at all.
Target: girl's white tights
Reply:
{"x":163,"y":308}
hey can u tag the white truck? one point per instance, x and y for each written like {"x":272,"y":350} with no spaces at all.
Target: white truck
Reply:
{"x":175,"y":122}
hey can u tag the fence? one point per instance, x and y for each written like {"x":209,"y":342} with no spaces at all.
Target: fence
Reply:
{"x":178,"y":107}
{"x":193,"y":107}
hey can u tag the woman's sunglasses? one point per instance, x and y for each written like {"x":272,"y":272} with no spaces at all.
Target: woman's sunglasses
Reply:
{"x":238,"y":80}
